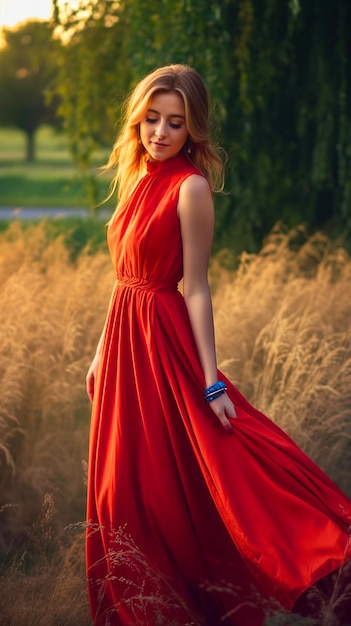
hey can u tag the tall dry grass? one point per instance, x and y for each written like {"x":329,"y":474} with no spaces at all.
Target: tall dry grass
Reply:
{"x":51,"y":316}
{"x":52,"y":313}
{"x":283,"y":336}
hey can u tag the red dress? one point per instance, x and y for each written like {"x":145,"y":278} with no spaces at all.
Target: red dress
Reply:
{"x":186,"y":523}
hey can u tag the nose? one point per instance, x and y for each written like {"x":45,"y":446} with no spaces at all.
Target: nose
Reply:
{"x":161,"y":129}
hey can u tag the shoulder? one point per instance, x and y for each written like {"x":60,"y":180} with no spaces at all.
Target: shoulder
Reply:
{"x":195,"y":196}
{"x":194,"y":187}
{"x":195,"y":181}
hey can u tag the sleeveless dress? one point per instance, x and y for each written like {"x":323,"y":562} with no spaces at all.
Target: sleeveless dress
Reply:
{"x":187,"y":524}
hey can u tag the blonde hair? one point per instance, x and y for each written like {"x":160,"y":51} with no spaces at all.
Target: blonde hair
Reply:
{"x":128,"y":152}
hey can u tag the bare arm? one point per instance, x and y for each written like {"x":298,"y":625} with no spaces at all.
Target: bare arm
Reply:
{"x":92,"y":371}
{"x":196,"y":215}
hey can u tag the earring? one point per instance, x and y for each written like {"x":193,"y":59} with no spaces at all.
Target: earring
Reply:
{"x":189,"y":150}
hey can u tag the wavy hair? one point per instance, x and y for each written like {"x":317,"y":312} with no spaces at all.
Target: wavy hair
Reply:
{"x":128,"y":153}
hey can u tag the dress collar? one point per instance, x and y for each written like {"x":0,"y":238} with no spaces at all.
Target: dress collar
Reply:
{"x":161,"y":167}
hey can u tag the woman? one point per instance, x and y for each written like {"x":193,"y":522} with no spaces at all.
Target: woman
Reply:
{"x":200,"y":509}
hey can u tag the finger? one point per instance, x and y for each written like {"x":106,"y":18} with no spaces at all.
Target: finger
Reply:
{"x":90,"y":388}
{"x":226,"y":423}
{"x":231,"y":412}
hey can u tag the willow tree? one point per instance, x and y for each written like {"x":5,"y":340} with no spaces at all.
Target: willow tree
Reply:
{"x":278,"y":72}
{"x":288,"y":114}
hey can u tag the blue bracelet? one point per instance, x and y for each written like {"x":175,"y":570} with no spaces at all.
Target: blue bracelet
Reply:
{"x":214,"y":391}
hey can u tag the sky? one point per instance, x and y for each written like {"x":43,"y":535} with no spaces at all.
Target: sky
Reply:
{"x":14,"y":11}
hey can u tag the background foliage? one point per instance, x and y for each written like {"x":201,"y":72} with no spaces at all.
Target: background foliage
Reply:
{"x":279,"y":75}
{"x":278,"y":72}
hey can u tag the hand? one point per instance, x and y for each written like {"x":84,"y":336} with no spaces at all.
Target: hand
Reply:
{"x":91,"y":376}
{"x":224,"y":408}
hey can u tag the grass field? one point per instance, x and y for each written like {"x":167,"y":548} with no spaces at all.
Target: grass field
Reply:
{"x":52,"y":180}
{"x":283,"y":336}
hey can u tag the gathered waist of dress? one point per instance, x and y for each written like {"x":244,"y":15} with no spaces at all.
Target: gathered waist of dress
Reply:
{"x":144,"y":283}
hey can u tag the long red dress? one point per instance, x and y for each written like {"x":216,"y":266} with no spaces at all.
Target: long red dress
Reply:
{"x":187,"y":524}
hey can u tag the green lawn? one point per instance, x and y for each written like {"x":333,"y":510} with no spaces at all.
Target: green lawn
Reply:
{"x":52,"y":180}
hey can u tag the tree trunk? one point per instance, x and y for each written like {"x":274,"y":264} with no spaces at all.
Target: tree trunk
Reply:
{"x":30,"y":148}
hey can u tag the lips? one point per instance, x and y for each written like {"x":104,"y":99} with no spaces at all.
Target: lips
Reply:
{"x":159,"y":145}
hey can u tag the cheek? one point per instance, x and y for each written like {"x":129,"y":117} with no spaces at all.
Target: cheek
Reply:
{"x":183,"y":138}
{"x":143,"y":133}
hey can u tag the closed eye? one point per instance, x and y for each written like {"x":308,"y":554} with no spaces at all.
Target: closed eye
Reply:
{"x":154,"y":120}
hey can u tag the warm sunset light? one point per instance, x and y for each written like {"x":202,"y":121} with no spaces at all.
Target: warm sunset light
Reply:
{"x":14,"y":11}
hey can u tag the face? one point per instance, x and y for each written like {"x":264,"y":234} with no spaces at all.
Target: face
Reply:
{"x":163,"y":131}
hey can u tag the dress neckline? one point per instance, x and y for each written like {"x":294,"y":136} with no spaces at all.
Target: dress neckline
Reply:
{"x":169,"y":165}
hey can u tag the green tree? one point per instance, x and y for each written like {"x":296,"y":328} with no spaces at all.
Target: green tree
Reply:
{"x":93,"y":78}
{"x":27,"y":70}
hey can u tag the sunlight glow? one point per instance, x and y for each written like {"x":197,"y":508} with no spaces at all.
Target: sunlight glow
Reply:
{"x":14,"y":11}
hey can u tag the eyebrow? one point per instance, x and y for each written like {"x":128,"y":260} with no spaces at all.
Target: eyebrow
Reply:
{"x":172,"y":114}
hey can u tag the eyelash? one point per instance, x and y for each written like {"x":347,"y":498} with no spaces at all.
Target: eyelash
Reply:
{"x":152,"y":120}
